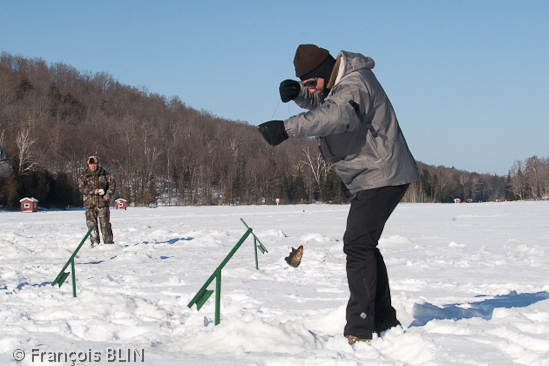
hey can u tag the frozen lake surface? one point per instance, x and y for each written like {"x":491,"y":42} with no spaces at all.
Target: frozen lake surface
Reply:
{"x":470,"y":283}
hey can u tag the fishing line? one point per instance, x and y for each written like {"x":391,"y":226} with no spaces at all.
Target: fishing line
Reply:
{"x":303,"y":219}
{"x":255,"y":206}
{"x":277,"y":104}
{"x":289,"y":112}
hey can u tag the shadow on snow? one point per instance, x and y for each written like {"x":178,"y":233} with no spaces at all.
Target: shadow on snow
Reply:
{"x":424,"y":313}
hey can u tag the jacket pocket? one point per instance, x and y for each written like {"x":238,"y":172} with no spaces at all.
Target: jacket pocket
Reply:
{"x":344,"y":146}
{"x":376,"y":146}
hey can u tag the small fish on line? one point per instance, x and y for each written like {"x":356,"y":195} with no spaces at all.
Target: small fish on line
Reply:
{"x":295,"y":257}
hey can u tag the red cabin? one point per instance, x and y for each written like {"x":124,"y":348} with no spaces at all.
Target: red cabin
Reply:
{"x":120,"y":204}
{"x":29,"y":204}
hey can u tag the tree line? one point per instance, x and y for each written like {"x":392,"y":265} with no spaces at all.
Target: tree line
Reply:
{"x":161,"y":151}
{"x":529,"y":179}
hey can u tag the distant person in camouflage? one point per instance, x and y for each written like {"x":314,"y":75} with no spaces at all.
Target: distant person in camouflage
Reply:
{"x":98,"y":187}
{"x":5,"y":164}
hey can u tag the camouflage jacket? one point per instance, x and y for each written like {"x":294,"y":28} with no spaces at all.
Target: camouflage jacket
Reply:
{"x":89,"y":182}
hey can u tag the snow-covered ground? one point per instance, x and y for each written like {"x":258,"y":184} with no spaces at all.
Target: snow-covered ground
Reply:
{"x":470,"y":283}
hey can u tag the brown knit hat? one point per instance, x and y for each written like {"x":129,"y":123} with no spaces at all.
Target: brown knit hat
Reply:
{"x":93,"y":160}
{"x":308,"y":57}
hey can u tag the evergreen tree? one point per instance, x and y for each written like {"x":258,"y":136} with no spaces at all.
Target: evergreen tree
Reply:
{"x":509,"y":194}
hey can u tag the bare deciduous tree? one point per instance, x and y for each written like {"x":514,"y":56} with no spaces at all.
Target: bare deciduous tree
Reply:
{"x":24,"y":144}
{"x":316,"y":163}
{"x":518,"y":180}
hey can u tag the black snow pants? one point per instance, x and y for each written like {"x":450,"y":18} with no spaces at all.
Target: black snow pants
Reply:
{"x":369,"y":308}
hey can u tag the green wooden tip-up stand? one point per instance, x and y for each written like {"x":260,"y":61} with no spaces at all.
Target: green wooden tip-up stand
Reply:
{"x":204,"y":294}
{"x":62,"y":276}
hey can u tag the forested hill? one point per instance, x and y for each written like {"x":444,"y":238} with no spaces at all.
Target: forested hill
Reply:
{"x":52,"y":117}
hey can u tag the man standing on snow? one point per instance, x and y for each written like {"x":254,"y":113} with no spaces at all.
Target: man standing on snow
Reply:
{"x":5,"y":164}
{"x":358,"y":132}
{"x":97,"y":186}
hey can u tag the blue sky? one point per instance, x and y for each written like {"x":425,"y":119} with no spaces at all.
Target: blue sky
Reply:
{"x":469,"y":80}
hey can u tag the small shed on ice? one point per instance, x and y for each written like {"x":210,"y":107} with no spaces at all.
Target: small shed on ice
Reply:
{"x":120,"y":204}
{"x":29,"y":204}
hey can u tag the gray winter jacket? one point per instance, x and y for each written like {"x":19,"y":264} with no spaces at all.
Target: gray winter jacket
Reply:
{"x":5,"y":165}
{"x":356,"y":127}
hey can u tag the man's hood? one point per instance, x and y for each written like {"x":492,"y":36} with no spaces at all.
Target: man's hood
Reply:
{"x":350,"y":62}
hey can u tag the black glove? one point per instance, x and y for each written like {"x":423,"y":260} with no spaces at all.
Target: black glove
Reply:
{"x":273,"y":132}
{"x":289,"y":89}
